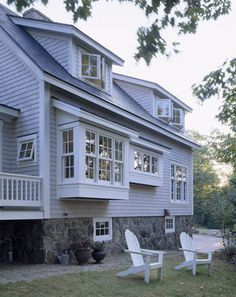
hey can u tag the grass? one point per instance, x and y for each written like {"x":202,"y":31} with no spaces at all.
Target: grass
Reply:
{"x":181,"y":283}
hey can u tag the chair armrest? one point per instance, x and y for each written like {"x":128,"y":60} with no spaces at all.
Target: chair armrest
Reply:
{"x":154,"y":252}
{"x":139,"y":253}
{"x":188,"y":250}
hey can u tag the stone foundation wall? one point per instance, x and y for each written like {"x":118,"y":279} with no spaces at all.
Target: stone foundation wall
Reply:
{"x":21,"y":241}
{"x":40,"y":241}
{"x":60,"y":234}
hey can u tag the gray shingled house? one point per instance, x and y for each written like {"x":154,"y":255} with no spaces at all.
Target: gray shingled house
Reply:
{"x":84,"y":151}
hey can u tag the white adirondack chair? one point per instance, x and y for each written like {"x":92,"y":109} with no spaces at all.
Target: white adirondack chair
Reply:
{"x":140,"y":263}
{"x":190,"y":255}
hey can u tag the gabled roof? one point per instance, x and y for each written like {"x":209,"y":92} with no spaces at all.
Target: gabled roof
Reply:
{"x":58,"y":75}
{"x":151,"y":85}
{"x":68,"y":30}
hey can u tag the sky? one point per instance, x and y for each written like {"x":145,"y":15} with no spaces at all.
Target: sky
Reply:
{"x":114,"y":25}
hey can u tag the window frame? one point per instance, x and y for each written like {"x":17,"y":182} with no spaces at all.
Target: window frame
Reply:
{"x":33,"y":155}
{"x":98,"y":65}
{"x":151,"y":156}
{"x":169,"y":230}
{"x":106,"y":237}
{"x":180,"y":183}
{"x":97,"y":157}
{"x":181,"y":117}
{"x":168,"y":102}
{"x":65,"y":155}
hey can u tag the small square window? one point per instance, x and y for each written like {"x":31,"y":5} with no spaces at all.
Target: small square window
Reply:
{"x":163,"y":108}
{"x":26,"y":148}
{"x":90,"y":66}
{"x":102,"y":229}
{"x":169,"y":224}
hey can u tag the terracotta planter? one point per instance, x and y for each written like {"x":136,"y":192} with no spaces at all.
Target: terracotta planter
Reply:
{"x":98,"y":255}
{"x":82,"y":255}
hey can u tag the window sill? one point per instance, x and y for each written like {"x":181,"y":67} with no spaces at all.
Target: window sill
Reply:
{"x":145,"y":179}
{"x":180,"y":202}
{"x":92,"y":191}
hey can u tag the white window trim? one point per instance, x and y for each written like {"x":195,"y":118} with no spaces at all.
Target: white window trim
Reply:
{"x":83,"y":52}
{"x":181,"y":117}
{"x":33,"y":158}
{"x":169,"y":108}
{"x":102,"y":237}
{"x":187,"y":185}
{"x":170,"y":230}
{"x":60,"y":177}
{"x":152,"y":154}
{"x":114,"y":137}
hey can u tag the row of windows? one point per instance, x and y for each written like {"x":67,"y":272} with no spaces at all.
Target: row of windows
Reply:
{"x":104,"y":161}
{"x":103,"y":228}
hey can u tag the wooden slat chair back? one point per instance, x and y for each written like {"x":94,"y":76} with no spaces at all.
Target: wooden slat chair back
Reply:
{"x":190,"y":255}
{"x":133,"y":245}
{"x":141,"y":264}
{"x":187,"y":244}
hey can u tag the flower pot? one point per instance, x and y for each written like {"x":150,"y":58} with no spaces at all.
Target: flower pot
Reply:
{"x":98,"y":255}
{"x":82,"y":255}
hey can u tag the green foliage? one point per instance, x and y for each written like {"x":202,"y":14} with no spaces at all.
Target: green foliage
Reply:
{"x":181,"y":15}
{"x":205,"y":183}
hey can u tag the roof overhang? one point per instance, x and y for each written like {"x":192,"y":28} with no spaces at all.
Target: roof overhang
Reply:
{"x":153,"y":86}
{"x":8,"y":114}
{"x":68,"y":30}
{"x":126,"y":114}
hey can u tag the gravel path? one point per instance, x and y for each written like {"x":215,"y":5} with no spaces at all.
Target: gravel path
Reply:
{"x":20,"y":272}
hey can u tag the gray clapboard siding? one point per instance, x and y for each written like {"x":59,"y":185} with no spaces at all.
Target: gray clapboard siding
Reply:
{"x":142,"y":95}
{"x":19,"y":88}
{"x":143,"y":200}
{"x":56,"y":46}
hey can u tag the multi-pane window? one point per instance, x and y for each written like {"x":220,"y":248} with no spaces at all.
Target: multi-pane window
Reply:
{"x":169,"y":224}
{"x":177,"y":117}
{"x":90,"y":161}
{"x":68,"y":153}
{"x":104,"y":158}
{"x":178,"y":183}
{"x":26,"y":148}
{"x":163,"y":108}
{"x":145,"y":162}
{"x":90,"y":65}
{"x":102,"y":229}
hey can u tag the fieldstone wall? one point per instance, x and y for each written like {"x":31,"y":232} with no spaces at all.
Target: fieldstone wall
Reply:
{"x":150,"y":232}
{"x":39,"y":241}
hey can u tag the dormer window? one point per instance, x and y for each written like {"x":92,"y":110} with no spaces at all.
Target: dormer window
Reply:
{"x":94,"y":69}
{"x":178,"y":117}
{"x":163,"y":108}
{"x":90,"y":66}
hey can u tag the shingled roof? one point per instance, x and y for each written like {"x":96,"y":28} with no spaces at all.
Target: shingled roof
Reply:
{"x":50,"y":66}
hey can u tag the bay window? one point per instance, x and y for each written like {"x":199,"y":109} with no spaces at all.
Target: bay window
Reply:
{"x":145,"y":162}
{"x":104,"y":158}
{"x":68,"y":153}
{"x":178,"y":183}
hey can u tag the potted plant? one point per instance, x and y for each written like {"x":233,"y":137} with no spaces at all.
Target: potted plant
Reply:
{"x":82,"y":249}
{"x":98,"y":253}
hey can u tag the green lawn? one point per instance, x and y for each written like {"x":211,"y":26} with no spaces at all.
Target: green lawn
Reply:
{"x":106,"y":284}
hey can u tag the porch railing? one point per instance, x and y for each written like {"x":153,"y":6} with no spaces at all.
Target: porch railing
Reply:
{"x":20,"y":190}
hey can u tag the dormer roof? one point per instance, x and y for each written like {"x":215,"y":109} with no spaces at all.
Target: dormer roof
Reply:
{"x":159,"y":90}
{"x":70,"y":30}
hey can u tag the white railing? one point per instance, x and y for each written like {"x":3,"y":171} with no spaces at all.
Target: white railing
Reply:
{"x":19,"y":190}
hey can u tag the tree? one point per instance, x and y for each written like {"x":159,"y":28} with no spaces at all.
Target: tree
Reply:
{"x":206,"y":183}
{"x":181,"y":15}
